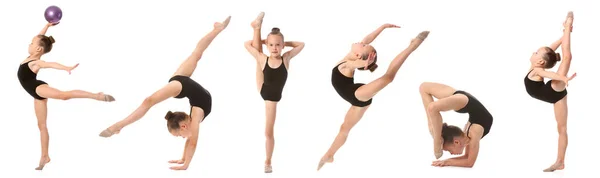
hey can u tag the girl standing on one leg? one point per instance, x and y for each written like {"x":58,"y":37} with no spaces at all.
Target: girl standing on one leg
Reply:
{"x":452,"y":138}
{"x":41,"y":91}
{"x":555,"y":90}
{"x":180,"y":85}
{"x":362,"y":56}
{"x":271,"y":75}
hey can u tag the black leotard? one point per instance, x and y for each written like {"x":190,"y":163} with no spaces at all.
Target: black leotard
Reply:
{"x":29,"y":80}
{"x":274,"y":81}
{"x":478,"y":114}
{"x":196,"y":94}
{"x":543,"y":92}
{"x":346,"y":87}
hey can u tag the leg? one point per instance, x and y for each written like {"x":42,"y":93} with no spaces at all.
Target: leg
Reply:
{"x":257,"y":43}
{"x":428,"y":91}
{"x":352,"y":117}
{"x":189,"y":65}
{"x":368,"y":91}
{"x":565,"y":64}
{"x":41,"y":112}
{"x":561,"y":113}
{"x":271,"y":112}
{"x":48,"y":92}
{"x":170,"y":90}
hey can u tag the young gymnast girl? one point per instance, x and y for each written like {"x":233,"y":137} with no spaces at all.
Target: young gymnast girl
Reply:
{"x":555,"y":90}
{"x":271,"y":75}
{"x":451,"y":138}
{"x":362,"y":56}
{"x":41,"y":91}
{"x":180,"y":86}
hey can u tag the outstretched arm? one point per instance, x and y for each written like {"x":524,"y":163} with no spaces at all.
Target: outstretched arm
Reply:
{"x":556,"y":44}
{"x":53,"y":65}
{"x":296,"y":49}
{"x":45,"y":29}
{"x":547,"y":74}
{"x":371,"y":37}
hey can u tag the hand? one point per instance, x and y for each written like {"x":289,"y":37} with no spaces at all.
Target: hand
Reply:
{"x":71,"y":68}
{"x":387,"y":25}
{"x":370,"y":59}
{"x":183,"y":167}
{"x":439,"y":163}
{"x":570,"y":78}
{"x":52,"y":24}
{"x":181,"y":161}
{"x":222,"y":25}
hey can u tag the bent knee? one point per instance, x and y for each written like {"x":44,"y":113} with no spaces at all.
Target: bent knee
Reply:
{"x":433,"y":107}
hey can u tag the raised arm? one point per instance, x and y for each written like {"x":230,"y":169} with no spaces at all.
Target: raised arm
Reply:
{"x":371,"y":37}
{"x":296,"y":49}
{"x":556,"y":44}
{"x":253,"y":51}
{"x":45,"y":29}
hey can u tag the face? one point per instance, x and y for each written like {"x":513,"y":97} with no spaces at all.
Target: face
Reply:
{"x":358,"y":49}
{"x":34,"y":46}
{"x":456,"y":147}
{"x":536,"y":57}
{"x":275,"y":44}
{"x":183,"y":130}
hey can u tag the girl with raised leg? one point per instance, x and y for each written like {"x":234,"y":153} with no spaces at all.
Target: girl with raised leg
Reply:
{"x":181,"y":85}
{"x":555,"y":90}
{"x":362,"y":56}
{"x":271,"y":75}
{"x":41,"y":91}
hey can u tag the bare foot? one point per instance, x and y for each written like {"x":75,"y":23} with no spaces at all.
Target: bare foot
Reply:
{"x":416,"y":42}
{"x":107,"y":133}
{"x":554,"y":167}
{"x":268,"y":169}
{"x":104,"y":97}
{"x":257,"y":23}
{"x":323,"y":161}
{"x":43,"y":161}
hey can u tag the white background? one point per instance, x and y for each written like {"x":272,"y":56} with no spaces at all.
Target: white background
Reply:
{"x":129,"y":49}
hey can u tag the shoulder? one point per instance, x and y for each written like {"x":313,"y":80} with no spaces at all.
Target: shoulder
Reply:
{"x":476,"y":132}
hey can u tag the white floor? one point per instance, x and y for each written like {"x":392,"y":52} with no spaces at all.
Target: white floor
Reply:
{"x":482,"y":48}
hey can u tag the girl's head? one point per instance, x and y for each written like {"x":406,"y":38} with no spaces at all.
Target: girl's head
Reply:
{"x":179,"y":124}
{"x":545,"y":57}
{"x":41,"y":44}
{"x":455,"y":139}
{"x":362,"y":51}
{"x":275,"y":42}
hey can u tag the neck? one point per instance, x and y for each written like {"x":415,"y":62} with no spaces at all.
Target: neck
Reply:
{"x":35,"y":56}
{"x":273,"y":56}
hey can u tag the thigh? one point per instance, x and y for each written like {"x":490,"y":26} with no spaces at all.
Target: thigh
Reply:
{"x":46,"y":91}
{"x":437,"y":90}
{"x":170,"y":90}
{"x":454,"y":102}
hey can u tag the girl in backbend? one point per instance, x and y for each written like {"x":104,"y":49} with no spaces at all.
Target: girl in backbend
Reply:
{"x":362,"y":56}
{"x":180,"y":86}
{"x":555,"y":90}
{"x":271,"y":75}
{"x":451,"y":138}
{"x":41,"y":91}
